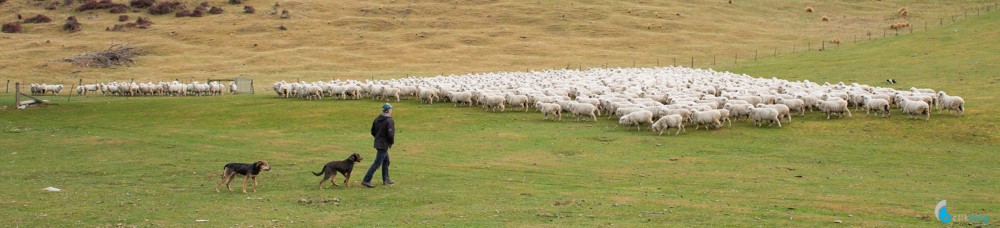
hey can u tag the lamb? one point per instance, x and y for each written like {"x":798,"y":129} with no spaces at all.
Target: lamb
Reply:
{"x":915,"y":108}
{"x":549,"y":108}
{"x":759,"y":115}
{"x":461,"y":98}
{"x":783,"y":111}
{"x":950,"y":103}
{"x":583,"y":109}
{"x":232,"y":88}
{"x":635,"y":118}
{"x":877,"y":105}
{"x":669,"y":121}
{"x":494,"y":102}
{"x":712,"y":117}
{"x":835,"y":106}
{"x":797,"y":105}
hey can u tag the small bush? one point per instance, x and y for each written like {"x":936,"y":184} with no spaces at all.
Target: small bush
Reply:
{"x":825,"y":18}
{"x":13,"y":27}
{"x":118,"y":9}
{"x":38,"y":19}
{"x":142,"y":22}
{"x":249,"y":9}
{"x":141,"y":4}
{"x":72,"y":25}
{"x":809,"y":9}
{"x":285,"y":14}
{"x":215,"y":10}
{"x":52,"y":5}
{"x":182,"y":13}
{"x":204,"y":4}
{"x":103,"y":4}
{"x":2,"y":1}
{"x":282,"y":27}
{"x":122,"y":17}
{"x":234,"y":2}
{"x":166,"y":7}
{"x":197,"y":13}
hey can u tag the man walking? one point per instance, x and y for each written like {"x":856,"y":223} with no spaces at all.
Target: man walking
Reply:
{"x":384,"y":130}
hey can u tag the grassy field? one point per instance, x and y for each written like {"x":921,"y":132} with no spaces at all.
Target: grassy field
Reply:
{"x":154,"y":161}
{"x":382,"y":39}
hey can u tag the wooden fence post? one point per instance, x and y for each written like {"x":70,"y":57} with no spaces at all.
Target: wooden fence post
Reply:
{"x":675,"y":62}
{"x":692,"y":62}
{"x":7,"y":88}
{"x":755,"y":55}
{"x":775,"y":52}
{"x":17,"y":94}
{"x":736,"y":58}
{"x":713,"y":60}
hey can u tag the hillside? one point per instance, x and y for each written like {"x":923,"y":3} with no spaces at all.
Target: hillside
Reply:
{"x":382,"y":39}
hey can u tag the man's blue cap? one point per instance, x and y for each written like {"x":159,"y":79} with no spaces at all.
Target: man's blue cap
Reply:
{"x":386,"y":107}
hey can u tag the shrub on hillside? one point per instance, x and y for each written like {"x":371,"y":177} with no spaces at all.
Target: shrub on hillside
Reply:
{"x":52,"y":5}
{"x":235,"y":2}
{"x":13,"y":27}
{"x":122,"y":17}
{"x":197,"y":13}
{"x":141,"y":4}
{"x":142,"y":22}
{"x":825,"y":18}
{"x":215,"y":10}
{"x":809,"y":9}
{"x":103,"y":4}
{"x":72,"y":25}
{"x":204,"y":4}
{"x":182,"y":13}
{"x":166,"y":7}
{"x":249,"y":9}
{"x":38,"y":19}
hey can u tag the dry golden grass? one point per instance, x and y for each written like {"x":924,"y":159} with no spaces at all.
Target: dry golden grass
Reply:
{"x":383,"y":39}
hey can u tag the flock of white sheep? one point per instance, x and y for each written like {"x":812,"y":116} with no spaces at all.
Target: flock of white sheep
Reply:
{"x":173,"y":88}
{"x":661,"y":98}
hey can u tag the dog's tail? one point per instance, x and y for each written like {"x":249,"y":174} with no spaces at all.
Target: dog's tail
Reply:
{"x":320,"y":172}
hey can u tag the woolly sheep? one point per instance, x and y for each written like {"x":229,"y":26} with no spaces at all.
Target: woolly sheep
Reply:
{"x":724,"y":117}
{"x":738,"y":110}
{"x":835,"y":106}
{"x":950,"y":103}
{"x":783,"y":110}
{"x":712,"y":117}
{"x":494,"y":102}
{"x":759,"y":115}
{"x":518,"y":101}
{"x":427,"y":95}
{"x":549,"y":108}
{"x":637,"y":119}
{"x":914,"y":108}
{"x":669,"y":121}
{"x":461,"y":98}
{"x":877,"y":105}
{"x":582,"y":109}
{"x":796,"y":105}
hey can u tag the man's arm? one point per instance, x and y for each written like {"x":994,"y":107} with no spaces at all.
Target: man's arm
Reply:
{"x":392,"y":132}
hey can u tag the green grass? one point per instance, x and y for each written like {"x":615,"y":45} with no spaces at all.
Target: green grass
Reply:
{"x":155,"y":161}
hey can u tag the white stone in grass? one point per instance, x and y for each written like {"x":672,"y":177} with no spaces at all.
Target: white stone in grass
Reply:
{"x":52,"y":189}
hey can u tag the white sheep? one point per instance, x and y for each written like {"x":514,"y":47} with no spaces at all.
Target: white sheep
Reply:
{"x":877,"y":105}
{"x":636,"y":118}
{"x":738,"y":110}
{"x":494,"y":102}
{"x":518,"y":101}
{"x":950,"y":103}
{"x":669,"y":121}
{"x":461,"y":98}
{"x":759,"y":115}
{"x":713,"y":117}
{"x":783,"y":110}
{"x":834,"y":106}
{"x":914,"y":108}
{"x":724,"y":117}
{"x":549,"y":108}
{"x":427,"y":95}
{"x":796,"y":105}
{"x":583,"y":109}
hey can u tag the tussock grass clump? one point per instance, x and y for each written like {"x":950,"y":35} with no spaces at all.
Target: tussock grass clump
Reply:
{"x":103,"y":4}
{"x":38,"y":19}
{"x":72,"y":25}
{"x":285,"y":14}
{"x":116,"y":55}
{"x":825,"y":18}
{"x":182,"y":13}
{"x":161,"y":8}
{"x":809,"y":9}
{"x":52,"y":5}
{"x":122,"y":17}
{"x":215,"y":10}
{"x":143,"y":22}
{"x":235,"y":2}
{"x":899,"y":25}
{"x":13,"y":27}
{"x":141,"y":4}
{"x":249,"y":9}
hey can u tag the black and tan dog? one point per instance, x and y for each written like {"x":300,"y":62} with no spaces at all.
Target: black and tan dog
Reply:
{"x":249,"y":170}
{"x":344,"y":167}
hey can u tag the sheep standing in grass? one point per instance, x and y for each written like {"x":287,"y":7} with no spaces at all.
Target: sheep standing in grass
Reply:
{"x":636,"y":118}
{"x":427,"y":95}
{"x":914,"y":108}
{"x":549,"y":108}
{"x":759,"y":115}
{"x":794,"y":105}
{"x":669,"y":121}
{"x":232,"y":88}
{"x":833,"y":106}
{"x":461,"y":98}
{"x":713,"y":117}
{"x":783,"y":110}
{"x":738,"y":110}
{"x":390,"y":93}
{"x":950,"y":103}
{"x":724,"y":117}
{"x":518,"y":101}
{"x":582,"y":109}
{"x":494,"y":102}
{"x":877,"y":105}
